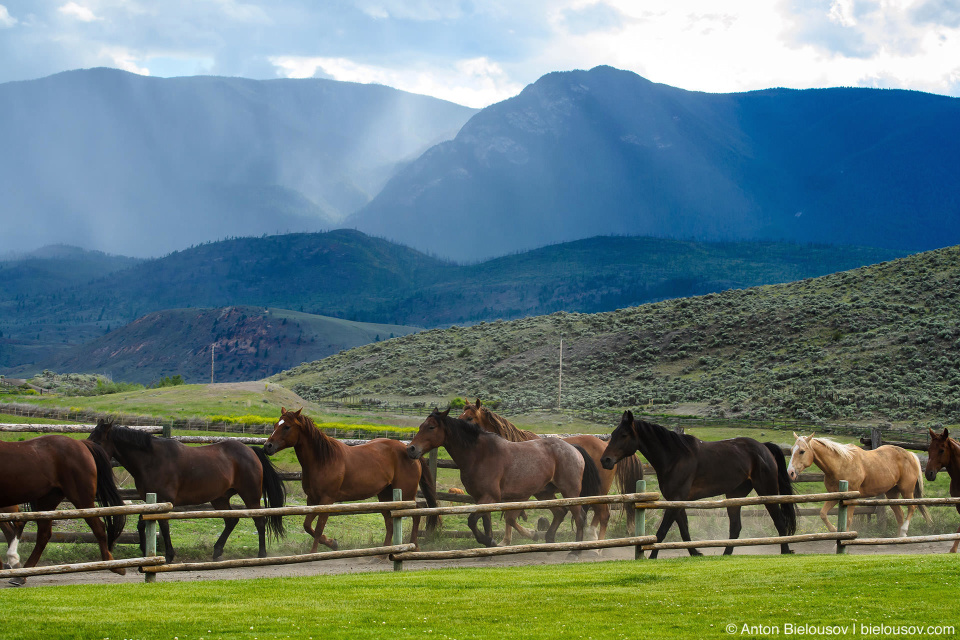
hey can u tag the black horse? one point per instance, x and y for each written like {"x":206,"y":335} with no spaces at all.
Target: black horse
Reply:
{"x":690,"y":469}
{"x":196,"y":475}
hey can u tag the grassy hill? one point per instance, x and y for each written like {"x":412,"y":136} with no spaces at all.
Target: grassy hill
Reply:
{"x":879,"y":343}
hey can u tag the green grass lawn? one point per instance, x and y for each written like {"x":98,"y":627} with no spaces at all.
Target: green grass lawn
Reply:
{"x":682,"y":598}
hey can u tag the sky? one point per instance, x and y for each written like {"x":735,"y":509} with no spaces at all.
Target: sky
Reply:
{"x":477,"y":52}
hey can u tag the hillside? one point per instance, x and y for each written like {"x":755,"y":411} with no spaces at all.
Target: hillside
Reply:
{"x":879,"y":343}
{"x":350,"y":275}
{"x":251,"y":343}
{"x":143,"y":166}
{"x":585,"y":153}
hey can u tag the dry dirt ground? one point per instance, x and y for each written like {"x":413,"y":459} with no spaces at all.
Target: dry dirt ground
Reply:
{"x":360,"y":565}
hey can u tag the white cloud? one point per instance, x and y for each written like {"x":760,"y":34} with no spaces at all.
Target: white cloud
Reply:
{"x":475,"y":82}
{"x":81,"y":13}
{"x":6,"y":20}
{"x":123,"y":59}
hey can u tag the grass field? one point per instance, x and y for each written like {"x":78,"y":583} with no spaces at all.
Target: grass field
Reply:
{"x":681,"y":598}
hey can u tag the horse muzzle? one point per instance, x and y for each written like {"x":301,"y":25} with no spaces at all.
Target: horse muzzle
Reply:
{"x":269,"y":448}
{"x":413,"y":451}
{"x":607,"y":462}
{"x":931,"y":476}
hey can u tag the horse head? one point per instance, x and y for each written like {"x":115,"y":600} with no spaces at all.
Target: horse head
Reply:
{"x":938,"y":454}
{"x":432,"y":434}
{"x":623,"y":442}
{"x":286,"y":432}
{"x":801,"y":456}
{"x":473,"y":412}
{"x":101,"y":435}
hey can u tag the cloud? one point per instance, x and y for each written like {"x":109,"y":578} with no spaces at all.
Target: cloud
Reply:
{"x":937,"y":12}
{"x":6,"y":20}
{"x":81,"y":13}
{"x":592,"y":18}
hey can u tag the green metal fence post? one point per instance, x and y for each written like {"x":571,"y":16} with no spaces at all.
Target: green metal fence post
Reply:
{"x":639,"y":521}
{"x":842,"y":516}
{"x":150,"y":533}
{"x":397,"y":530}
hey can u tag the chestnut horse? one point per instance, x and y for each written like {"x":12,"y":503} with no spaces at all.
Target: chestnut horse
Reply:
{"x":886,"y":470}
{"x":45,"y":470}
{"x":689,"y":469}
{"x":944,"y":453}
{"x":196,"y":475}
{"x":494,"y":470}
{"x":336,"y":472}
{"x":626,"y":472}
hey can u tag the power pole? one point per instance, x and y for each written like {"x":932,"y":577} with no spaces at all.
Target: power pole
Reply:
{"x":560,"y":379}
{"x":213,"y":351}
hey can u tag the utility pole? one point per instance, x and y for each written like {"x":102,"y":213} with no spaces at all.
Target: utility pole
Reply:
{"x":560,"y":379}
{"x":213,"y":351}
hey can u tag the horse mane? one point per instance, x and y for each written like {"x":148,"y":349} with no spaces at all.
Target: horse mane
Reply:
{"x":666,"y":437}
{"x":842,"y":450}
{"x":460,"y":432}
{"x":504,"y":428}
{"x":323,"y":444}
{"x":127,"y":437}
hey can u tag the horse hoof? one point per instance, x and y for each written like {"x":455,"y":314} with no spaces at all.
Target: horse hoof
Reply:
{"x":788,"y":552}
{"x":120,"y":571}
{"x":333,"y":545}
{"x":542,"y":524}
{"x":17,"y":582}
{"x":694,"y":553}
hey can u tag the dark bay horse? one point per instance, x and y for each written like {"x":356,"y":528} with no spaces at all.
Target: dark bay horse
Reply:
{"x":944,"y":453}
{"x":336,"y":472}
{"x":196,"y":475}
{"x":496,"y":470}
{"x":689,"y":469}
{"x":46,"y":470}
{"x":626,"y":471}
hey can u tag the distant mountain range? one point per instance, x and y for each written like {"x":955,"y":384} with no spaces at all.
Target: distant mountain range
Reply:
{"x":585,"y":153}
{"x":73,"y":326}
{"x":143,"y":166}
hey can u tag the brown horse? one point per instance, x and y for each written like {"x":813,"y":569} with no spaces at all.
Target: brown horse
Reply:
{"x":336,"y":472}
{"x":689,"y":469}
{"x":196,"y":475}
{"x":886,"y":470}
{"x":11,"y":533}
{"x":944,"y":453}
{"x":493,"y":469}
{"x":45,"y":470}
{"x":626,"y":472}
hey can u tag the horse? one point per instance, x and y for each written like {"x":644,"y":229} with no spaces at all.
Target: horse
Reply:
{"x":944,"y":452}
{"x":495,"y":470}
{"x":186,"y":475}
{"x":886,"y":470}
{"x":626,"y":472}
{"x":336,"y":472}
{"x":43,"y":471}
{"x":689,"y":469}
{"x":11,"y":533}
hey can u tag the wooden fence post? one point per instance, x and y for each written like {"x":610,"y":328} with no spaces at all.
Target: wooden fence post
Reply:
{"x":639,"y":521}
{"x":433,"y":465}
{"x":168,"y":430}
{"x":876,"y":438}
{"x":842,"y":515}
{"x":398,"y":530}
{"x":150,"y":533}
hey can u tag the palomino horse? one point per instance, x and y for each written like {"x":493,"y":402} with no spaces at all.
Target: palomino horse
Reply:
{"x":45,"y":470}
{"x":626,"y":472}
{"x":886,"y":470}
{"x":336,"y":472}
{"x":689,"y":469}
{"x":196,"y":475}
{"x":11,"y":533}
{"x":494,"y":470}
{"x":944,"y":453}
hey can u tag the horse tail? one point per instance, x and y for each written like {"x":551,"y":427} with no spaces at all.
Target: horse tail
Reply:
{"x":274,"y":493}
{"x":107,"y":493}
{"x":428,"y":485}
{"x":918,"y":490}
{"x":590,"y":482}
{"x":784,"y":487}
{"x":628,"y":471}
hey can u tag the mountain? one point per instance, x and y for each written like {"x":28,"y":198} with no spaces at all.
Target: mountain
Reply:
{"x":353,"y":276}
{"x":142,"y":166}
{"x":585,"y":153}
{"x":250,"y":343}
{"x":874,"y":344}
{"x":50,"y":268}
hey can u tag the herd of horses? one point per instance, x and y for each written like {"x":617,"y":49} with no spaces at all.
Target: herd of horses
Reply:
{"x":498,"y":462}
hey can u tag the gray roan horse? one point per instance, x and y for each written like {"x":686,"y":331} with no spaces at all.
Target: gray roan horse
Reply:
{"x":496,"y":470}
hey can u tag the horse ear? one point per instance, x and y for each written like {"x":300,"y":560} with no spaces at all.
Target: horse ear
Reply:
{"x":627,"y":415}
{"x":478,"y":403}
{"x":283,"y":410}
{"x":299,"y":411}
{"x":446,"y":413}
{"x":945,"y":432}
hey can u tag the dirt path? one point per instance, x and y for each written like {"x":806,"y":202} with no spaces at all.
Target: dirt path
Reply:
{"x":364,"y":565}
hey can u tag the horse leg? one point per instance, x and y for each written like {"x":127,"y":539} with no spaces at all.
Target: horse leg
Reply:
{"x":483,"y":538}
{"x":12,"y":536}
{"x":669,"y":516}
{"x":559,"y":513}
{"x":44,"y":531}
{"x":168,"y":551}
{"x":903,"y":524}
{"x":229,"y":524}
{"x":684,"y":532}
{"x":736,"y":525}
{"x":511,"y":519}
{"x":318,"y":536}
{"x":823,"y":514}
